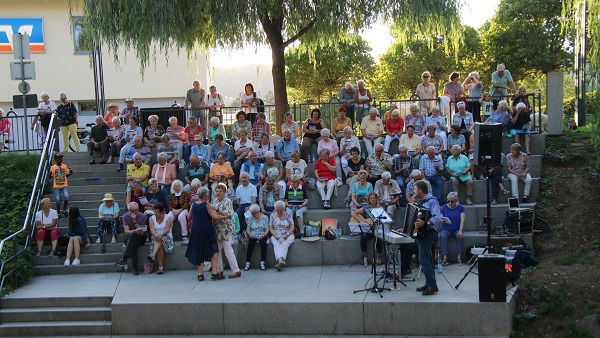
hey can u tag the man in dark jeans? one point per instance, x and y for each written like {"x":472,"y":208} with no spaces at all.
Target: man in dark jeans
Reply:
{"x":135,"y":225}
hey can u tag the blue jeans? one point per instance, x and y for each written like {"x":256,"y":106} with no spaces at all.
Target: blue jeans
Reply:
{"x":495,"y":180}
{"x":123,"y":153}
{"x":444,"y":235}
{"x":436,"y":184}
{"x":61,"y":195}
{"x":426,"y":247}
{"x":241,"y":208}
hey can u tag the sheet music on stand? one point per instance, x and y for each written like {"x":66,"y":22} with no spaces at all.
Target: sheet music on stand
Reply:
{"x":377,"y":212}
{"x":359,"y":228}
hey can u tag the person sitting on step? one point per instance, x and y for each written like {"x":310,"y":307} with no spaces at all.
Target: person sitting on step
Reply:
{"x":108,"y":212}
{"x":415,"y":175}
{"x":389,"y":193}
{"x":377,"y":163}
{"x":325,"y":175}
{"x":257,"y":230}
{"x":162,"y":237}
{"x":135,"y":226}
{"x":458,"y":167}
{"x":179,"y":203}
{"x":360,"y":215}
{"x":98,"y":140}
{"x":456,"y":214}
{"x":163,"y":172}
{"x":45,"y":223}
{"x":360,"y":190}
{"x":139,"y":147}
{"x":78,"y":236}
{"x":296,"y":201}
{"x":269,"y":194}
{"x":517,"y":165}
{"x":281,"y":227}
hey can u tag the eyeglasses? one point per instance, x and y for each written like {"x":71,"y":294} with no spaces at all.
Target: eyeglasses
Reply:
{"x":452,"y":201}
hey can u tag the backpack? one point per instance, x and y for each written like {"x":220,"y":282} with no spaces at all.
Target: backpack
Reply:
{"x":260,"y":108}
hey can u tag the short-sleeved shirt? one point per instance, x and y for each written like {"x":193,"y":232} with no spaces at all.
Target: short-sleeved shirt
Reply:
{"x":200,"y":172}
{"x":427,"y":165}
{"x":323,"y":171}
{"x":346,"y":144}
{"x":99,"y":133}
{"x":262,"y":149}
{"x":281,"y":226}
{"x":403,"y":163}
{"x":436,"y":141}
{"x":129,"y":133}
{"x":109,"y":211}
{"x":220,"y":170}
{"x":237,"y":126}
{"x":59,"y":176}
{"x":153,"y":133}
{"x":360,"y":191}
{"x":269,"y":196}
{"x":372,"y":126}
{"x":454,"y":89}
{"x":133,"y":223}
{"x":454,"y":216}
{"x":245,"y":193}
{"x":376,"y":165}
{"x":195,"y":98}
{"x":296,"y":168}
{"x":456,"y":165}
{"x":417,"y":121}
{"x":257,"y":227}
{"x":439,"y":122}
{"x":144,"y":152}
{"x":458,"y":140}
{"x":356,"y":166}
{"x":258,"y":129}
{"x":501,"y":80}
{"x":394,"y":126}
{"x":519,"y":164}
{"x":174,"y":132}
{"x":66,"y":113}
{"x":465,"y":122}
{"x":276,"y":164}
{"x":523,"y":119}
{"x":243,"y":148}
{"x":295,"y":196}
{"x":412,"y":143}
{"x":138,"y":172}
{"x":46,"y":219}
{"x":330,"y":145}
{"x":169,"y":150}
{"x":284,"y":148}
{"x":191,"y":133}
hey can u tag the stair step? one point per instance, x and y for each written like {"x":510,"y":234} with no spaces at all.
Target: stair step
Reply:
{"x":19,"y":302}
{"x":86,"y":258}
{"x":52,"y":314}
{"x":56,"y":328}
{"x":108,"y":188}
{"x":83,"y":268}
{"x":95,"y":248}
{"x":84,"y":181}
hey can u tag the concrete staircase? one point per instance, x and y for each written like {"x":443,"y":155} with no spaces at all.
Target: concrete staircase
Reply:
{"x":89,"y":183}
{"x":55,"y":316}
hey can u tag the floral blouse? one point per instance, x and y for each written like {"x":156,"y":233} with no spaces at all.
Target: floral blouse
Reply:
{"x":281,"y":226}
{"x":225,"y":227}
{"x":237,"y":126}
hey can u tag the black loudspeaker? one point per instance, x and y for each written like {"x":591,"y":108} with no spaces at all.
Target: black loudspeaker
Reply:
{"x":492,"y":278}
{"x":488,"y":144}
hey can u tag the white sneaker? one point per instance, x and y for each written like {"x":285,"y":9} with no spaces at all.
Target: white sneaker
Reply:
{"x":98,"y":240}
{"x":76,"y":262}
{"x":67,"y":262}
{"x":113,"y":240}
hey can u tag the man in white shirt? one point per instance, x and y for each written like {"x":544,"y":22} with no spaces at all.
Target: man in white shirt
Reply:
{"x":214,"y":103}
{"x":246,"y":195}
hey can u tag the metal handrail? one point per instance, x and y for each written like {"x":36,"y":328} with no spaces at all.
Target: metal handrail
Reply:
{"x":34,"y":202}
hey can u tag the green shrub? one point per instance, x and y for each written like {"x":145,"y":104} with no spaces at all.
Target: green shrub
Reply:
{"x":17,"y":173}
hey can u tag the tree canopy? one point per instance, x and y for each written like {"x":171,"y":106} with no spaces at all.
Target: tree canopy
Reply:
{"x":319,"y":77}
{"x":153,"y":26}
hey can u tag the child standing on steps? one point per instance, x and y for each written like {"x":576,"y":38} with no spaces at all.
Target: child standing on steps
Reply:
{"x":59,"y":173}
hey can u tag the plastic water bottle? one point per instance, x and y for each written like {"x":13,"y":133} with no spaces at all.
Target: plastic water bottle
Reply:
{"x":439,"y":262}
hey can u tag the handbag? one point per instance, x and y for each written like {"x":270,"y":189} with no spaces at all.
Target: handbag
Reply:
{"x":168,"y":244}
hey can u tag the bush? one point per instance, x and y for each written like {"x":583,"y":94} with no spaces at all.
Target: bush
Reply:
{"x":592,"y":105}
{"x":17,"y":173}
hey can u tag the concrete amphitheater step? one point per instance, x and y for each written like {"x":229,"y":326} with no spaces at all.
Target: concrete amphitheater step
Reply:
{"x":52,"y":314}
{"x":72,"y":269}
{"x":49,"y":302}
{"x":86,"y":258}
{"x":61,"y":328}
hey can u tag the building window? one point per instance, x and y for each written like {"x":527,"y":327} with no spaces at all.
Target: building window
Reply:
{"x":80,"y":42}
{"x":87,"y":108}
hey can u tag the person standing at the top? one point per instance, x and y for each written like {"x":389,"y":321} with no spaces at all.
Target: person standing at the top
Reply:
{"x":129,"y":111}
{"x":68,"y":115}
{"x":44,"y":112}
{"x":249,"y":101}
{"x":346,"y":98}
{"x":214,"y":103}
{"x":502,"y":84}
{"x":194,"y":100}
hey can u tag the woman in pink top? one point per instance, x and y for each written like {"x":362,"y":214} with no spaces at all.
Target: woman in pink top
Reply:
{"x":163,"y":172}
{"x":191,"y":131}
{"x":394,"y":127}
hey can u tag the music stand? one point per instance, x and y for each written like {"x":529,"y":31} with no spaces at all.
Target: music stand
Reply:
{"x":375,"y":287}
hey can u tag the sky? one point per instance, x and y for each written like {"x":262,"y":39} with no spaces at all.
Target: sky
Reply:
{"x":474,"y":14}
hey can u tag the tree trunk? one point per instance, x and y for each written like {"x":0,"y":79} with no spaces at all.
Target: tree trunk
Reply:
{"x":279,"y":85}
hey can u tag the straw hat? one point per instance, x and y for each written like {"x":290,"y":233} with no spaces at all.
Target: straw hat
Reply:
{"x":108,"y":197}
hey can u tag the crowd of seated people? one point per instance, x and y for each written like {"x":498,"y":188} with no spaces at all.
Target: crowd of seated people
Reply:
{"x":260,"y":181}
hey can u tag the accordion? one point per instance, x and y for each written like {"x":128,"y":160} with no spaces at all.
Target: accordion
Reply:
{"x":413,"y":213}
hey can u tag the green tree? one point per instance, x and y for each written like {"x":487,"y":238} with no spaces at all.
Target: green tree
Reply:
{"x":152,"y":26}
{"x":526,"y":36}
{"x":319,"y":75}
{"x":399,"y":69}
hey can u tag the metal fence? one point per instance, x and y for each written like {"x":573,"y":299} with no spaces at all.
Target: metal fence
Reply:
{"x":18,"y":134}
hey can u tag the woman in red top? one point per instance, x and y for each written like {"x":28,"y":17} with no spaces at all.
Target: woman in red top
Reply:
{"x":394,"y":127}
{"x":192,"y":129}
{"x":325,"y":173}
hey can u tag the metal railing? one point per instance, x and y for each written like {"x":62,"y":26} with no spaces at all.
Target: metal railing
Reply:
{"x":18,"y":243}
{"x":17,"y":134}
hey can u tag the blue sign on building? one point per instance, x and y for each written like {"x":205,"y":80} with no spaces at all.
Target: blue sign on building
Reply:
{"x":34,"y":27}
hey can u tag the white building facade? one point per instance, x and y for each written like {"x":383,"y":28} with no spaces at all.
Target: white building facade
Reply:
{"x":61,"y":65}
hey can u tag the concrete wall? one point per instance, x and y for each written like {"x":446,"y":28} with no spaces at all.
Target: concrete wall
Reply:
{"x":59,"y":68}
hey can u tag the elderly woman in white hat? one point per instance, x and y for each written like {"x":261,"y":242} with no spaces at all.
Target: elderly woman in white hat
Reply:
{"x":108,"y":213}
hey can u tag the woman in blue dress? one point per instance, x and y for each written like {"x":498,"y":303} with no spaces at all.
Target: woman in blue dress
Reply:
{"x":203,"y":240}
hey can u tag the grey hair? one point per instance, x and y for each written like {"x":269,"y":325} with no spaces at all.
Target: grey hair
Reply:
{"x":132,"y":205}
{"x":386,"y":174}
{"x":269,"y":154}
{"x":521,"y":105}
{"x":325,"y":132}
{"x":279,"y":204}
{"x":174,"y":183}
{"x":116,"y":119}
{"x":202,"y":193}
{"x":152,"y":181}
{"x":348,"y":85}
{"x":426,"y":73}
{"x":62,"y":94}
{"x":99,"y":117}
{"x":503,"y":103}
{"x":215,"y":119}
{"x":165,"y":137}
{"x":500,"y":67}
{"x":453,"y":195}
{"x":137,"y":137}
{"x":44,"y":94}
{"x":283,"y":131}
{"x":243,"y":173}
{"x":173,"y":118}
{"x":373,"y":110}
{"x":136,"y":155}
{"x":395,"y":112}
{"x":430,"y":147}
{"x":152,"y":118}
{"x":296,"y":178}
{"x":402,"y":147}
{"x":360,"y":82}
{"x":456,"y":146}
{"x":413,"y":105}
{"x":162,"y":156}
{"x":461,"y":104}
{"x":196,"y":182}
{"x":379,"y":145}
{"x":436,"y":108}
{"x":415,"y":172}
{"x":347,"y":129}
{"x":515,"y":146}
{"x":254,"y":208}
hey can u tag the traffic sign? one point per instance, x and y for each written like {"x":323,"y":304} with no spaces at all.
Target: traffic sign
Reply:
{"x":16,"y":71}
{"x":24,"y":87}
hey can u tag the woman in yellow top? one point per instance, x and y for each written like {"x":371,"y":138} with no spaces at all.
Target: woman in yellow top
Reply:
{"x":341,"y":122}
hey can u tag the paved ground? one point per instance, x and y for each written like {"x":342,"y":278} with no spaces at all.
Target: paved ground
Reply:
{"x":295,"y":284}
